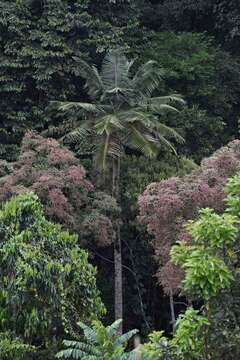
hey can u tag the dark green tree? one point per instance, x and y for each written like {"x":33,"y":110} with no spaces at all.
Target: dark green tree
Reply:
{"x":209,"y":79}
{"x":38,"y":42}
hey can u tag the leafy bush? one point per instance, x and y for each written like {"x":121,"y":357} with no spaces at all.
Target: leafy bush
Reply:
{"x":101,"y":343}
{"x":47,"y":283}
{"x":11,"y":348}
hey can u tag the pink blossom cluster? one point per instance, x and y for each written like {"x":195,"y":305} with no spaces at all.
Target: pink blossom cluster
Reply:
{"x":166,"y":206}
{"x":55,"y":175}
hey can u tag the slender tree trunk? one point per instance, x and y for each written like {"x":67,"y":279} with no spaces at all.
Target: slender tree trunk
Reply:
{"x":173,"y":317}
{"x":117,"y":248}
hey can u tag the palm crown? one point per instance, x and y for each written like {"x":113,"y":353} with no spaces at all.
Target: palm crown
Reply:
{"x":121,"y":112}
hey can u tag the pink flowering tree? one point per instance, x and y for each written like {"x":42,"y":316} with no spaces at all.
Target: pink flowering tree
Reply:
{"x":166,"y":206}
{"x":55,"y":175}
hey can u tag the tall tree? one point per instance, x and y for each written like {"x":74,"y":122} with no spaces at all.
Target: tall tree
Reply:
{"x":120,"y":115}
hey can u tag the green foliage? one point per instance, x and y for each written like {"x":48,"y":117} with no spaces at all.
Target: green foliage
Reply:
{"x":187,"y":342}
{"x":13,"y":348}
{"x":211,"y":264}
{"x":206,"y":272}
{"x":158,"y":348}
{"x":101,"y":343}
{"x":189,"y":337}
{"x":38,"y":42}
{"x":219,"y":18}
{"x":208,"y":78}
{"x":136,"y":175}
{"x":47,"y":283}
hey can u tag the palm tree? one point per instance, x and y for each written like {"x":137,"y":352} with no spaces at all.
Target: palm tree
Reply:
{"x":121,"y":114}
{"x":100,"y":343}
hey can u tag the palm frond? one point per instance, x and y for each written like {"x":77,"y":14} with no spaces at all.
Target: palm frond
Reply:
{"x":177,"y":98}
{"x":141,"y":141}
{"x":71,"y":354}
{"x":169,"y":132}
{"x":92,"y":77}
{"x":79,"y":106}
{"x":77,"y":135}
{"x":147,"y":79}
{"x":115,"y":148}
{"x":166,"y":143}
{"x":114,"y":72}
{"x":107,"y":147}
{"x":108,"y":123}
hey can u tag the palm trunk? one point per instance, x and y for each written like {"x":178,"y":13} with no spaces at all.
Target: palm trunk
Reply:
{"x":118,"y":296}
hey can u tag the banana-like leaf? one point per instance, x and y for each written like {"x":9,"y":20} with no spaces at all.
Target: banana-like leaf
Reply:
{"x":113,"y":328}
{"x":123,"y":339}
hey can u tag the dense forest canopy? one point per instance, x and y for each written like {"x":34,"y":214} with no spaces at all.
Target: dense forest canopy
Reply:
{"x":119,"y":179}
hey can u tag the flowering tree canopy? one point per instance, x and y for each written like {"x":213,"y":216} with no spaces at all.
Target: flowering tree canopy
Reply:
{"x":166,"y":206}
{"x":55,"y":175}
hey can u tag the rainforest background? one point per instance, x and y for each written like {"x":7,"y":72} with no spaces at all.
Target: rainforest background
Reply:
{"x":197,"y":46}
